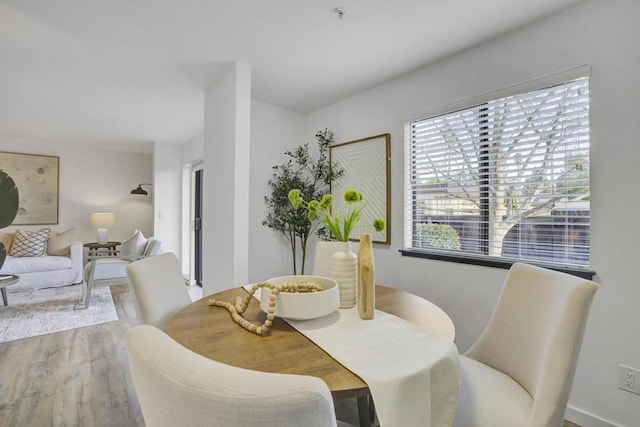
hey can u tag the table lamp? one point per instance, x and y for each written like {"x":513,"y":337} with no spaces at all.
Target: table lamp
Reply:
{"x":102,"y":221}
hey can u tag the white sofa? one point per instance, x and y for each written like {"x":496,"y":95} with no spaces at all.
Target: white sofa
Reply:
{"x":45,"y":271}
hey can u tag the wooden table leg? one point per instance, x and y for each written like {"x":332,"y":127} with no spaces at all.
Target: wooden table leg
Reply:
{"x":4,"y":295}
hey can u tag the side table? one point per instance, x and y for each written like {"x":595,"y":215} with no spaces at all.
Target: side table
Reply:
{"x":110,"y":247}
{"x":7,"y":280}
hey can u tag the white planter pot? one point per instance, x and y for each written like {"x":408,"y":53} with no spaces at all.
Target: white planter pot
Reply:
{"x":343,"y":270}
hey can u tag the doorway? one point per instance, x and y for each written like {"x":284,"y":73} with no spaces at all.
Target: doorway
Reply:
{"x":197,"y":226}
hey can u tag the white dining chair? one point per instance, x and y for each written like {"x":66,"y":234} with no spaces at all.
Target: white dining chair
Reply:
{"x":520,"y":370}
{"x":177,"y":387}
{"x":159,"y":288}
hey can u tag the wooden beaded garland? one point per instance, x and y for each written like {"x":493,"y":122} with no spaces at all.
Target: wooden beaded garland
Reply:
{"x":240,"y":304}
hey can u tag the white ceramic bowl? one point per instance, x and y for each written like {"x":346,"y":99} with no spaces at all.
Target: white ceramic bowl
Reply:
{"x":303,"y":306}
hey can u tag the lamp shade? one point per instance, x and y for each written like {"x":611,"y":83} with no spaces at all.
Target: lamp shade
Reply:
{"x":102,"y":219}
{"x":139,"y":190}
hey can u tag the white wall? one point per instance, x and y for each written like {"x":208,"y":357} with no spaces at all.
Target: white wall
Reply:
{"x":94,"y":180}
{"x":193,"y":150}
{"x":227,"y":141}
{"x":605,"y":35}
{"x":274,"y":130}
{"x":167,"y":191}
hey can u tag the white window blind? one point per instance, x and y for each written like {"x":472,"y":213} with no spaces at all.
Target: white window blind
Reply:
{"x":508,"y":178}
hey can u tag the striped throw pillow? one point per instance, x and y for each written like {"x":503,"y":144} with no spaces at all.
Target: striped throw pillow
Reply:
{"x":30,"y":243}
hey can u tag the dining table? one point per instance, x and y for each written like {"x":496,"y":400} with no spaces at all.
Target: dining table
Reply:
{"x":210,"y":332}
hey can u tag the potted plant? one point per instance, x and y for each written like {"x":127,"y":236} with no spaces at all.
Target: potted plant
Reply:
{"x":340,"y":225}
{"x":312,"y":176}
{"x":343,"y":262}
{"x":8,"y":206}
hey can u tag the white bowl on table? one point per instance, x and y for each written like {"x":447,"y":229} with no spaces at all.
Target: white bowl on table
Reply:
{"x":304,"y":305}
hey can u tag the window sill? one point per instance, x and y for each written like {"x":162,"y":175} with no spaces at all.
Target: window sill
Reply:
{"x":494,"y":262}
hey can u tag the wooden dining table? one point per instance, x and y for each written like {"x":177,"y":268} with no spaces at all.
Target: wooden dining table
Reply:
{"x":210,"y":332}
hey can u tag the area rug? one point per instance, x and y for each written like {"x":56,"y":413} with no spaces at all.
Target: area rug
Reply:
{"x":45,"y":311}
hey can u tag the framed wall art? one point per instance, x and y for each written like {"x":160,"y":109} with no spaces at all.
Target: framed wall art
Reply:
{"x":37,"y":178}
{"x":366,"y":165}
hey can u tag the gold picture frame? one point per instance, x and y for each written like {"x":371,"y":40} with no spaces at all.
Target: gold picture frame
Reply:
{"x":367,"y":168}
{"x":37,"y":178}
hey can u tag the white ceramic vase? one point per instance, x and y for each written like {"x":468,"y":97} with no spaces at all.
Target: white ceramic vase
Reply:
{"x":343,"y":270}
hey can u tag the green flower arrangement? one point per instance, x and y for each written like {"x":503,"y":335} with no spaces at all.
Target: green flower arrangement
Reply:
{"x":339,"y":225}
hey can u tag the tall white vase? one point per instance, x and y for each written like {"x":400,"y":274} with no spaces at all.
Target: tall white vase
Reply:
{"x":343,"y":270}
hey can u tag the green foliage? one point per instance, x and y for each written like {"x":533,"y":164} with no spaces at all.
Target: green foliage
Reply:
{"x":441,"y":236}
{"x":8,"y":206}
{"x":339,"y":224}
{"x":575,"y":181}
{"x":312,"y":176}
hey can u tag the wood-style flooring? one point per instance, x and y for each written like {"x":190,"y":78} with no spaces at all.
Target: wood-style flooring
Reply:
{"x":71,"y":378}
{"x":74,"y":378}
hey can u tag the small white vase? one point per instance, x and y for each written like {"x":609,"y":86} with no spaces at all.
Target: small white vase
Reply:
{"x":343,"y":270}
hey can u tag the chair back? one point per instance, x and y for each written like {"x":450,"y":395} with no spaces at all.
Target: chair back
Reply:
{"x":535,"y":335}
{"x":322,"y":257}
{"x":160,"y":288}
{"x":177,"y":387}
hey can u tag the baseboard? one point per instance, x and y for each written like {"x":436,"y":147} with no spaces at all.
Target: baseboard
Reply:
{"x":584,"y":419}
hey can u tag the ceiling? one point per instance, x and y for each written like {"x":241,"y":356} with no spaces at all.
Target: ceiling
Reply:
{"x":124,"y":73}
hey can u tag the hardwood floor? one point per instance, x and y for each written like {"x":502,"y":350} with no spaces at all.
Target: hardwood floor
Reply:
{"x":74,"y":378}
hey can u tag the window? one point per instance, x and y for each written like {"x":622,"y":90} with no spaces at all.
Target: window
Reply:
{"x":505,"y":180}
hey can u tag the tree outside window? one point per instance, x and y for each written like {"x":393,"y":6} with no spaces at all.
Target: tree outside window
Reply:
{"x":511,"y":176}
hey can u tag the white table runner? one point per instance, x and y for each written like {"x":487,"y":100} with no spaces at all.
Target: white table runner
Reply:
{"x":413,"y":375}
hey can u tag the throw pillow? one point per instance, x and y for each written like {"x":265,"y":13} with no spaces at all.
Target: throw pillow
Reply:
{"x":60,"y":243}
{"x":7,"y":240}
{"x":30,"y":243}
{"x":153,"y":247}
{"x":133,"y":246}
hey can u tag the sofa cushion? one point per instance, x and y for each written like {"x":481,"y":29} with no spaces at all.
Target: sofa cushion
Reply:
{"x":30,"y":243}
{"x":22,"y":265}
{"x":7,"y":240}
{"x":153,"y":247}
{"x":59,"y":243}
{"x":133,"y":246}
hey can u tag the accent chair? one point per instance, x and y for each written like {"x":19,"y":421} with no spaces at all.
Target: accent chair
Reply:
{"x":159,"y":287}
{"x":177,"y":387}
{"x":520,"y":370}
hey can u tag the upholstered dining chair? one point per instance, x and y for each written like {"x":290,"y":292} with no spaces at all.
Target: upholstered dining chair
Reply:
{"x":520,"y":370}
{"x":177,"y":387}
{"x":159,"y":287}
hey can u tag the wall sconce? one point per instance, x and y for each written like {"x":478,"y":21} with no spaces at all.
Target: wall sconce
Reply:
{"x":139,"y":190}
{"x":102,"y":221}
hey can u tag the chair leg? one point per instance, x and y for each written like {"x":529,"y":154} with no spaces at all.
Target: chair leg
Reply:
{"x":89,"y":282}
{"x":87,"y":293}
{"x":4,"y":295}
